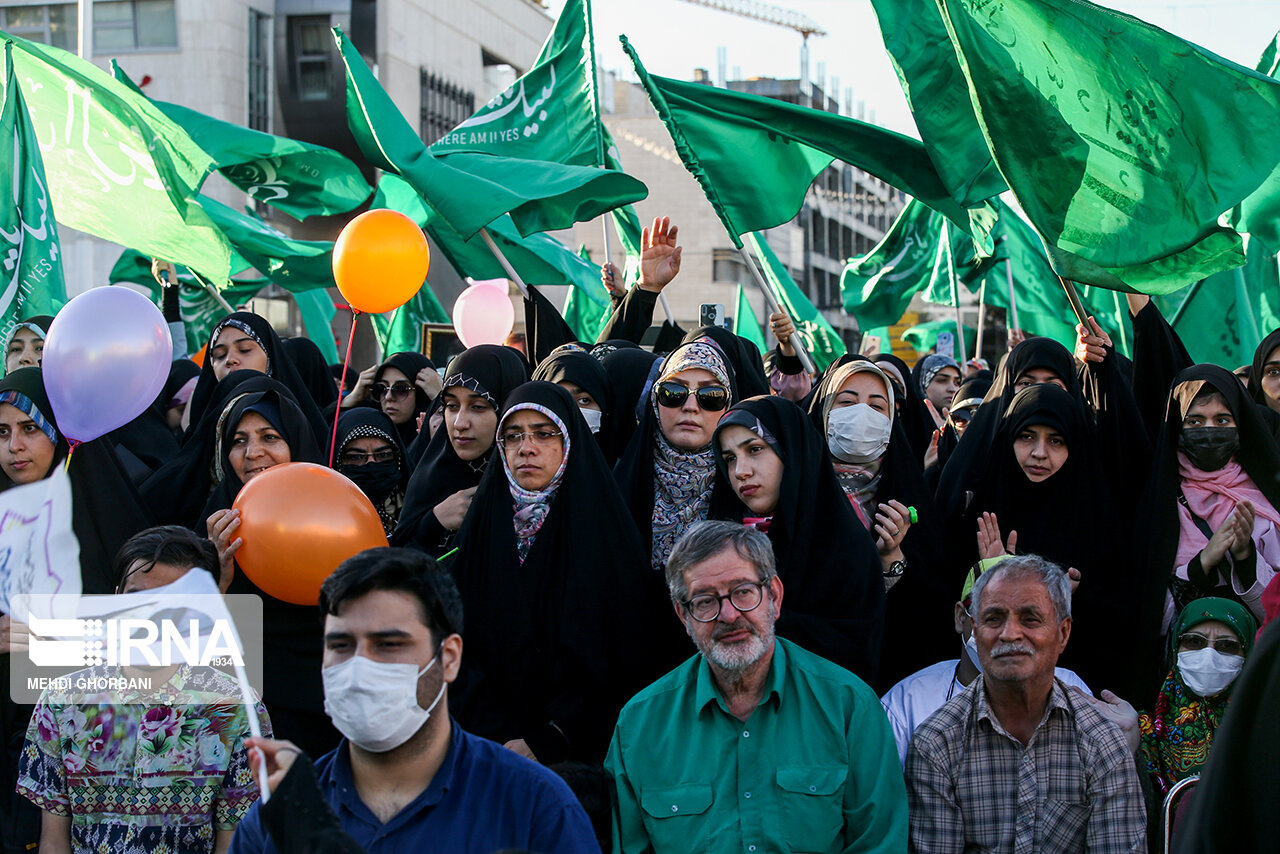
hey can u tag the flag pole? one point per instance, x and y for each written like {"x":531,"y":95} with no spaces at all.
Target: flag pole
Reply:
{"x":506,"y":265}
{"x":1077,"y":305}
{"x":982,"y":317}
{"x":1013,"y":300}
{"x":955,"y":294}
{"x":772,"y":304}
{"x":213,"y":292}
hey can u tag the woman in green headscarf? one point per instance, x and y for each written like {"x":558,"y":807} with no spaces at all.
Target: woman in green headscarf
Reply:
{"x":1208,"y":646}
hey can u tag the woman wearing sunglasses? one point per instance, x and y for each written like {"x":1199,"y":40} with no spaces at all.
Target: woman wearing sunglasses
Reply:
{"x":1208,"y":646}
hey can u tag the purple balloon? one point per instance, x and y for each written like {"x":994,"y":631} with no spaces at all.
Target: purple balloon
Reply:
{"x":105,"y":360}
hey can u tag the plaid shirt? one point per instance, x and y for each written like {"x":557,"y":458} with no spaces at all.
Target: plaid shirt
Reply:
{"x":971,"y":786}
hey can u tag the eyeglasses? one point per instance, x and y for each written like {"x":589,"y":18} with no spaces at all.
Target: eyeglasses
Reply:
{"x":360,"y":458}
{"x":672,"y":395}
{"x":705,"y":607}
{"x":1194,"y":642}
{"x":398,"y":391}
{"x":537,"y":437}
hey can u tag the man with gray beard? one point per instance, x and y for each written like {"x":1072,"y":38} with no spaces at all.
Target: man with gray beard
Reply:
{"x":754,"y":745}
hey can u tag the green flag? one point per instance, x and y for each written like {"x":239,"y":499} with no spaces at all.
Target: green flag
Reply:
{"x":295,"y":265}
{"x":936,"y":91}
{"x":298,"y":178}
{"x":876,"y":288}
{"x":472,"y":190}
{"x":1259,"y":214}
{"x":117,"y":167}
{"x":585,"y":318}
{"x":717,"y":133}
{"x":31,"y":279}
{"x":317,"y":310}
{"x":818,"y":336}
{"x":745,"y":323}
{"x":200,"y":311}
{"x":400,"y":331}
{"x":1122,"y":143}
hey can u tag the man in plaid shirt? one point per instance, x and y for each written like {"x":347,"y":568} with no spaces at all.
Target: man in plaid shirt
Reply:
{"x":1018,"y":762}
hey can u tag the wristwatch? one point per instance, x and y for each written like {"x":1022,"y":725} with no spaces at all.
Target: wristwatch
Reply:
{"x":896,"y":569}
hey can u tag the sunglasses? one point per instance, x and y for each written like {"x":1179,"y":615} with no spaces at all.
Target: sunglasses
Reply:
{"x":672,"y":395}
{"x":1194,"y":642}
{"x":398,"y":391}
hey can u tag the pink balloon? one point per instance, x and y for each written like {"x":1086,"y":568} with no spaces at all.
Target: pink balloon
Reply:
{"x":105,"y":360}
{"x":483,"y":314}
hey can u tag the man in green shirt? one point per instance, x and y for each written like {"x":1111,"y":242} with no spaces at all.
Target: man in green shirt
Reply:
{"x":754,"y":745}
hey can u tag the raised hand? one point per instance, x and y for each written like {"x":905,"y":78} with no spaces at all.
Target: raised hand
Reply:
{"x":1091,"y":343}
{"x":659,"y":255}
{"x":989,"y":543}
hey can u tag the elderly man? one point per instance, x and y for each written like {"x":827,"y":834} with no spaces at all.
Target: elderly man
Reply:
{"x":753,"y":745}
{"x":1016,"y":762}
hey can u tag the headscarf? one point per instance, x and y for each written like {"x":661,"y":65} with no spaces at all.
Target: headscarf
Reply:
{"x":1256,"y":370}
{"x":682,"y":478}
{"x":491,"y":371}
{"x":742,"y":355}
{"x":105,"y":508}
{"x":927,"y":368}
{"x":532,"y":505}
{"x":278,"y":407}
{"x":917,"y":622}
{"x":825,"y":557}
{"x":1179,"y":731}
{"x":39,"y":324}
{"x":859,"y":481}
{"x":409,"y":364}
{"x":545,"y":661}
{"x":916,"y":421}
{"x":587,"y":373}
{"x":279,"y":367}
{"x":313,"y":369}
{"x":1258,"y":460}
{"x":382,"y":483}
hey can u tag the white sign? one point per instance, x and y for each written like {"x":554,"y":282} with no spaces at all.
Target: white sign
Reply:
{"x":39,"y":553}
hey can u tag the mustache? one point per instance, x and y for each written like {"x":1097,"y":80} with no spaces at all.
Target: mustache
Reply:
{"x":1010,"y":649}
{"x":739,"y":625}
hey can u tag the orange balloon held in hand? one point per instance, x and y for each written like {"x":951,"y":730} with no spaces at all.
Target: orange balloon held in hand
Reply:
{"x":380,"y":261}
{"x":299,"y":521}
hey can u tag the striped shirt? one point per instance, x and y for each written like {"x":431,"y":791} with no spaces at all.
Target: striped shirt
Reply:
{"x":971,"y":786}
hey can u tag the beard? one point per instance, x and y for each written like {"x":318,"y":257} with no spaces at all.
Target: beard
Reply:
{"x":737,"y":657}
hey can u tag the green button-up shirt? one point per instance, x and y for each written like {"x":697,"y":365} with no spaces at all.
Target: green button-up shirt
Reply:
{"x":814,"y":769}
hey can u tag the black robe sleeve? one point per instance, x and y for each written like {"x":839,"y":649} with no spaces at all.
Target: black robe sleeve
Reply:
{"x":632,"y":318}
{"x":1158,"y":356}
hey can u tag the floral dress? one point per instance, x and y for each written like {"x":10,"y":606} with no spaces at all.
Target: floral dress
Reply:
{"x":153,"y":778}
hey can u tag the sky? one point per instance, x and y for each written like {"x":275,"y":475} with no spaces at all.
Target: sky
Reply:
{"x":674,"y":37}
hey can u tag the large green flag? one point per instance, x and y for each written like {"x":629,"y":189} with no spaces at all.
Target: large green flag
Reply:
{"x":539,"y":258}
{"x":295,"y":265}
{"x":401,"y":330}
{"x":719,"y":133}
{"x":1259,"y":214}
{"x":818,"y":336}
{"x":745,"y":322}
{"x":117,"y":167}
{"x":877,"y":287}
{"x":472,"y":190}
{"x":31,"y":279}
{"x":934,"y":85}
{"x":299,"y":178}
{"x":1122,"y":143}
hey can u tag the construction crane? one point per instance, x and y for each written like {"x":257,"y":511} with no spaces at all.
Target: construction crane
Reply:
{"x":778,"y":16}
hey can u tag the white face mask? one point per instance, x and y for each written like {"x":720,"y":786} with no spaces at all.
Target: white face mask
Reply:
{"x":593,"y":416}
{"x":375,"y":703}
{"x":1208,"y":672}
{"x":858,"y":434}
{"x":971,"y":650}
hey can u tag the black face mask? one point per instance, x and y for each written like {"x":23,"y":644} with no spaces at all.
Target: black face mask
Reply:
{"x":376,"y":480}
{"x":1209,"y":448}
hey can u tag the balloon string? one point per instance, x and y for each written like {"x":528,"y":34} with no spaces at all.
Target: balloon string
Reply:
{"x":71,"y":449}
{"x":346,"y":360}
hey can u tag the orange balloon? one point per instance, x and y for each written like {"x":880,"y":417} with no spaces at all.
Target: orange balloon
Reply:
{"x":380,"y":260}
{"x":298,"y":522}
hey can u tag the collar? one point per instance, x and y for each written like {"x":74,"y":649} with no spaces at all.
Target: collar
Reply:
{"x":705,"y":690}
{"x":344,"y":784}
{"x":982,"y":710}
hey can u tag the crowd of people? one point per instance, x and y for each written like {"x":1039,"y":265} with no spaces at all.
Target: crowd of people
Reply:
{"x":1018,"y":601}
